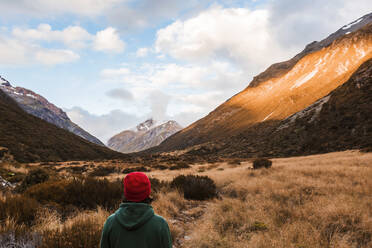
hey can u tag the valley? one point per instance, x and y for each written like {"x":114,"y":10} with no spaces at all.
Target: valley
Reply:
{"x":311,"y":201}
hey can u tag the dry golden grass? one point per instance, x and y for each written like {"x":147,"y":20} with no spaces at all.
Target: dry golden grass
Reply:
{"x":315,"y":201}
{"x":302,"y":202}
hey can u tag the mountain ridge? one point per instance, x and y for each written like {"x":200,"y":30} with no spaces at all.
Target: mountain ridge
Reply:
{"x":31,"y":139}
{"x":146,"y":135}
{"x":283,"y":96}
{"x":40,"y":107}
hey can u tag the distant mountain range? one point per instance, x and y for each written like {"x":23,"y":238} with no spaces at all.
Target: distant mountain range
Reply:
{"x":30,"y":139}
{"x":40,"y":107}
{"x":146,"y":135}
{"x":310,"y":103}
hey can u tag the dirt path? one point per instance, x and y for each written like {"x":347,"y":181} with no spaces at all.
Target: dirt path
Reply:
{"x":185,"y":221}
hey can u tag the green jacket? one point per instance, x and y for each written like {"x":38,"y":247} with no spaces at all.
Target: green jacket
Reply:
{"x":134,"y":225}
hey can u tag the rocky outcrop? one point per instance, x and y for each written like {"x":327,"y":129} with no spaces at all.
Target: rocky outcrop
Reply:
{"x":40,"y":107}
{"x":146,"y":135}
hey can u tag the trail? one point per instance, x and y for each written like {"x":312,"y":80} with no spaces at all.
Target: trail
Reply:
{"x":185,"y":221}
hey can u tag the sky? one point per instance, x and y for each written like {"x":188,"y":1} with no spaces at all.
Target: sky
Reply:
{"x":111,"y":64}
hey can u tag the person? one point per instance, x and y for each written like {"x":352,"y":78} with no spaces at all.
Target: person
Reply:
{"x":134,"y":224}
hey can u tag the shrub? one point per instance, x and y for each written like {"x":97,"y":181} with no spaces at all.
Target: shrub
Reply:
{"x":156,"y":184}
{"x":160,"y":167}
{"x":195,"y":187}
{"x":33,"y":177}
{"x":20,"y":208}
{"x":87,"y":193}
{"x":135,"y":169}
{"x":234,"y":162}
{"x":261,"y":163}
{"x":101,"y":171}
{"x":179,"y":166}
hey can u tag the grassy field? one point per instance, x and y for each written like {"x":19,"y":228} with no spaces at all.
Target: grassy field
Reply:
{"x":314,"y":201}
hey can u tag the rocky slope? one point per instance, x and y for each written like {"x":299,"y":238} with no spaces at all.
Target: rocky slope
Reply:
{"x":30,"y":139}
{"x":146,"y":135}
{"x":40,"y":107}
{"x":285,"y":88}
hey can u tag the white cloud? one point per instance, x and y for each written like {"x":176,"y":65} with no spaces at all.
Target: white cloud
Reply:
{"x":235,"y":34}
{"x":114,"y":74}
{"x":103,"y":126}
{"x":55,"y":56}
{"x":45,"y":8}
{"x":142,"y":52}
{"x":72,"y":36}
{"x":108,"y":40}
{"x":16,"y":52}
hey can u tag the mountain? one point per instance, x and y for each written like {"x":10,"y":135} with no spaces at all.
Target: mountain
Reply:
{"x":38,"y":106}
{"x":281,"y":91}
{"x":146,"y":135}
{"x":29,"y":138}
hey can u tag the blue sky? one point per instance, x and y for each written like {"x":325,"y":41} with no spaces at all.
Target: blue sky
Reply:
{"x":113,"y":63}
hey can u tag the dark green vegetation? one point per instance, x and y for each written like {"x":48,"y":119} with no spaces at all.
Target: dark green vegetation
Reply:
{"x":195,"y":187}
{"x":29,"y":138}
{"x":262,"y":163}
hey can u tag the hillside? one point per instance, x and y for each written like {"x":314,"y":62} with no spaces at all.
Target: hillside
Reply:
{"x":29,"y":138}
{"x":39,"y":106}
{"x":283,"y":90}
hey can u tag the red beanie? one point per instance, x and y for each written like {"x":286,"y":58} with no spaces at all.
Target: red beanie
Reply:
{"x":137,"y":187}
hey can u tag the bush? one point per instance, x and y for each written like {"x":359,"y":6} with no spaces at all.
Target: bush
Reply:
{"x":195,"y":187}
{"x":261,"y":163}
{"x":234,"y":162}
{"x":179,"y":166}
{"x":86,"y":193}
{"x":20,"y":208}
{"x":33,"y":177}
{"x":156,"y":184}
{"x":101,"y":171}
{"x":160,"y":167}
{"x":135,"y":169}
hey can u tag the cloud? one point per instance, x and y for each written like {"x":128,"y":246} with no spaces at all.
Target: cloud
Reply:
{"x":296,"y":23}
{"x":120,"y":94}
{"x":72,"y":36}
{"x":108,"y":40}
{"x":15,"y":52}
{"x":103,"y":126}
{"x":142,"y":52}
{"x":114,"y":73}
{"x":238,"y":35}
{"x":55,"y":56}
{"x":159,"y":104}
{"x":45,"y":8}
{"x":147,"y":13}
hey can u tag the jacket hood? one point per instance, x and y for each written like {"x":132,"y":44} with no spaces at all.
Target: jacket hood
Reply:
{"x":133,"y":215}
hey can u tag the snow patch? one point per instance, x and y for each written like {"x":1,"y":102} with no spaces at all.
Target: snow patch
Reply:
{"x":267,"y":116}
{"x":304,"y":79}
{"x":30,"y":95}
{"x":351,"y":24}
{"x":313,"y":109}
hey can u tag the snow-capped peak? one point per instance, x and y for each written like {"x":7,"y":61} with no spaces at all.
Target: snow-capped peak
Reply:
{"x":352,"y":24}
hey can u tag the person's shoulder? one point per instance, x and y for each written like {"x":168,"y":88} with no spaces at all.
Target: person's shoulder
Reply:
{"x":109,"y":221}
{"x":159,"y":219}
